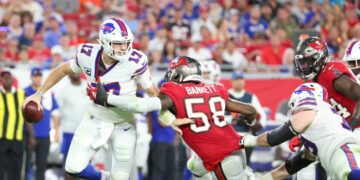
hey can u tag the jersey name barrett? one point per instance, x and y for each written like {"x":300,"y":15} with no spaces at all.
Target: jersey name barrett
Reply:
{"x":210,"y":137}
{"x":334,"y":69}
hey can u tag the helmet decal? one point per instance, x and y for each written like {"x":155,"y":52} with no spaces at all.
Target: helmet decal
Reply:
{"x":122,"y":26}
{"x":107,"y":28}
{"x":349,"y":49}
{"x":317,"y":45}
{"x":178,"y":62}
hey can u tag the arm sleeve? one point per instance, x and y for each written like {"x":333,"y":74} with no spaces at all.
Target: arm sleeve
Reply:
{"x":75,"y":66}
{"x":135,"y":104}
{"x":296,"y":163}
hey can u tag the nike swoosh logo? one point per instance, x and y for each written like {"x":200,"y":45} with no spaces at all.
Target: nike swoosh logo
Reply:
{"x":126,"y":129}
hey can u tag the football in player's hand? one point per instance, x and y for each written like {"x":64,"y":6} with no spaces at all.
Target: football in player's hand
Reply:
{"x":31,"y":112}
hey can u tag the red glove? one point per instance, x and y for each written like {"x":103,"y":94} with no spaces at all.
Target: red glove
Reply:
{"x":294,"y":142}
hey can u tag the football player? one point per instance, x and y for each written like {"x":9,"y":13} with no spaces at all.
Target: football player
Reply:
{"x":325,"y":134}
{"x":312,"y":63}
{"x":211,"y":72}
{"x":352,"y":57}
{"x":214,"y":141}
{"x":120,"y":68}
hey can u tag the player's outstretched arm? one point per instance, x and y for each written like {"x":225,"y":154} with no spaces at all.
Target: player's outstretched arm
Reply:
{"x":54,"y":77}
{"x":350,"y":89}
{"x":243,"y":108}
{"x":297,"y":124}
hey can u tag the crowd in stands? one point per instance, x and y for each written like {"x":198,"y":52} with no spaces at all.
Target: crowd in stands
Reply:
{"x":239,"y":33}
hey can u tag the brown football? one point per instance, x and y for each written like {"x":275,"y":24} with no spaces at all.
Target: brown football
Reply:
{"x":31,"y":113}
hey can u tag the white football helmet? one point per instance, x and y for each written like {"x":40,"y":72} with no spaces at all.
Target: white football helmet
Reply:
{"x":352,"y":55}
{"x":307,"y":94}
{"x":112,"y":31}
{"x":210,"y":71}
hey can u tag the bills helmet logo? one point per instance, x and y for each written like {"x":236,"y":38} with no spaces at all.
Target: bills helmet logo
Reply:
{"x":107,"y":28}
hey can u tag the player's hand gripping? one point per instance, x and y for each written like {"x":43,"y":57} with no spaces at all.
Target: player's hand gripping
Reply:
{"x":101,"y":95}
{"x":248,"y":141}
{"x":36,"y":98}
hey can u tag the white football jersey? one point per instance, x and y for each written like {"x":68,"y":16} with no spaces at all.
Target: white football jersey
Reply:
{"x":327,"y":132}
{"x":120,"y":78}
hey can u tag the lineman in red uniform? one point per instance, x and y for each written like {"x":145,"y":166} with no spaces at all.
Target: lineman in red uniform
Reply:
{"x":215,"y":143}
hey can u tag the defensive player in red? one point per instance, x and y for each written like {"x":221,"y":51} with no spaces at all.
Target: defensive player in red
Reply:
{"x":214,"y":141}
{"x":312,"y":63}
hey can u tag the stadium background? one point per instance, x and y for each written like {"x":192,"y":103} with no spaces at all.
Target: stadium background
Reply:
{"x":253,"y":36}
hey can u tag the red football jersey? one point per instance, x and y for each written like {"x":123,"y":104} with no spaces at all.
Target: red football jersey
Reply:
{"x":331,"y":71}
{"x":210,"y":137}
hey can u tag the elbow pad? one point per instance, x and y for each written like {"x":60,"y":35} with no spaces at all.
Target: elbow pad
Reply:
{"x":281,"y":134}
{"x":296,"y":163}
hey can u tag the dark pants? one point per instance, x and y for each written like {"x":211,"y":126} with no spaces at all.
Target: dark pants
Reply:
{"x":41,"y":151}
{"x":162,"y":161}
{"x":11,"y":158}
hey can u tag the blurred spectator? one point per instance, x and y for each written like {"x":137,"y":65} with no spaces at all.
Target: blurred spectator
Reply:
{"x":34,"y":8}
{"x":215,"y":12}
{"x":107,"y":11}
{"x":254,"y":23}
{"x":253,"y":49}
{"x":207,"y":40}
{"x":56,"y":57}
{"x":131,"y":21}
{"x":38,"y":51}
{"x":169,"y":52}
{"x":53,"y":34}
{"x":178,"y":27}
{"x":42,"y":128}
{"x":155,"y":57}
{"x":334,"y":40}
{"x":150,"y":26}
{"x":183,"y":49}
{"x":67,"y":6}
{"x":233,"y":56}
{"x":68,"y":50}
{"x":13,"y":8}
{"x":266,"y":12}
{"x":158,"y":42}
{"x":12,"y":52}
{"x":27,"y":37}
{"x":329,"y":21}
{"x":90,"y":6}
{"x":350,"y":15}
{"x":239,"y":93}
{"x":23,"y":59}
{"x":234,"y":27}
{"x":190,"y":11}
{"x":204,"y":20}
{"x":273,"y":54}
{"x":218,"y":53}
{"x":73,"y":104}
{"x":274,"y":5}
{"x":11,"y":124}
{"x":72,"y":31}
{"x":198,"y":52}
{"x":345,"y":30}
{"x":284,"y":20}
{"x":15,"y":29}
{"x":26,"y":17}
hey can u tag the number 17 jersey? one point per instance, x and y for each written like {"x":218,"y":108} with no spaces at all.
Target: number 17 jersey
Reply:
{"x":210,"y":137}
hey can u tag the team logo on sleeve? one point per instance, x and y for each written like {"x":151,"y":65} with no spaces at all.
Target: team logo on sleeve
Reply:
{"x":107,"y":28}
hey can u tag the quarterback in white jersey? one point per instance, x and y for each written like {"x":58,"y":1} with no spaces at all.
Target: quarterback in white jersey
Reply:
{"x":210,"y":71}
{"x":325,"y":134}
{"x":120,"y":69}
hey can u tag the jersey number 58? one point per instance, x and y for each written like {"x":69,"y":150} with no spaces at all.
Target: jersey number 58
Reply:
{"x":217,"y":114}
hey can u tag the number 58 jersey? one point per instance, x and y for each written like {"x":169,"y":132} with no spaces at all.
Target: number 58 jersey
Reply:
{"x":121,"y":78}
{"x":210,"y":137}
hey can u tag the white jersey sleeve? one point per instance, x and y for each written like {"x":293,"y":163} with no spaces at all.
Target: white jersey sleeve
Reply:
{"x":142,"y":74}
{"x":308,"y":103}
{"x":82,"y":56}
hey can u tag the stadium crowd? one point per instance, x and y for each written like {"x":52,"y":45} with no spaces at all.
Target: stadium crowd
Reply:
{"x":239,"y":33}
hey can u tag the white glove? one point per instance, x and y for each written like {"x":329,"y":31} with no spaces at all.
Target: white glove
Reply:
{"x":248,"y":141}
{"x":257,"y":176}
